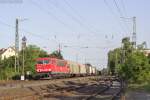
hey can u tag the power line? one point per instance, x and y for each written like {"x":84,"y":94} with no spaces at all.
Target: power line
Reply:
{"x":124,"y":9}
{"x":24,"y":30}
{"x":123,"y":6}
{"x":73,"y":18}
{"x":115,"y":16}
{"x":52,"y":15}
{"x":120,"y":12}
{"x":86,"y":47}
{"x":80,"y":17}
{"x":118,"y":8}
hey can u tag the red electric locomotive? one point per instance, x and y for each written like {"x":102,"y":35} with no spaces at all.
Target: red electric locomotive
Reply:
{"x":48,"y":67}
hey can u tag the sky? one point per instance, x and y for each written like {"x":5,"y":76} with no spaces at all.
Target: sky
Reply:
{"x":75,"y":25}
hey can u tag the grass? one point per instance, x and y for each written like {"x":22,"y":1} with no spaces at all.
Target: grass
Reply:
{"x":140,"y":87}
{"x":147,"y":87}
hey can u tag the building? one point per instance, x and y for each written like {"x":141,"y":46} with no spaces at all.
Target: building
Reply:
{"x":147,"y":52}
{"x":6,"y":53}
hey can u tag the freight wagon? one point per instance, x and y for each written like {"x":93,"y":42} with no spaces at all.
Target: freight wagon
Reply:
{"x":74,"y":68}
{"x":82,"y":70}
{"x":93,"y":70}
{"x":88,"y":69}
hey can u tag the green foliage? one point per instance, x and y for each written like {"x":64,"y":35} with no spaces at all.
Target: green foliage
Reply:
{"x":32,"y":52}
{"x":136,"y":68}
{"x":114,"y":60}
{"x":56,"y":54}
{"x":129,"y":63}
{"x":7,"y":70}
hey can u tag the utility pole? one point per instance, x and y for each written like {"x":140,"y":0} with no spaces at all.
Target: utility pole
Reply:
{"x":23,"y":54}
{"x":134,"y":32}
{"x":59,"y":47}
{"x":76,"y":57}
{"x":17,"y":68}
{"x":116,"y":62}
{"x":85,"y":60}
{"x":16,"y":48}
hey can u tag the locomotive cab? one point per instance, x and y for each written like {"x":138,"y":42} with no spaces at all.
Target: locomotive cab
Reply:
{"x":51,"y":67}
{"x":43,"y":65}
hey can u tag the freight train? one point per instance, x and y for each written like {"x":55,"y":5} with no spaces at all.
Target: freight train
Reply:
{"x":52,"y":67}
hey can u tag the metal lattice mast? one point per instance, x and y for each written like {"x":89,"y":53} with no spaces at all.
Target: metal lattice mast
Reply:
{"x":134,"y":32}
{"x":16,"y":48}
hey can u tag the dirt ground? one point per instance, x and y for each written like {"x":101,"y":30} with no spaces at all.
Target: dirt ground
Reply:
{"x":59,"y":90}
{"x":63,"y":89}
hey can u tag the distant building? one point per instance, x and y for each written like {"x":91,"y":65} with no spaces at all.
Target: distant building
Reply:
{"x":6,"y":53}
{"x":147,"y":52}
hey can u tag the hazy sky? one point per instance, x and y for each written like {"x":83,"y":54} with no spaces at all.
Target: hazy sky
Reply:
{"x":75,"y":23}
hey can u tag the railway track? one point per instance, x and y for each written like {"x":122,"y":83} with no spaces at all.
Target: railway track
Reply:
{"x":89,"y":88}
{"x":31,"y":83}
{"x":110,"y":92}
{"x":97,"y":93}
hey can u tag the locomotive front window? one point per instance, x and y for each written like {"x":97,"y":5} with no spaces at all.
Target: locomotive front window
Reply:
{"x":40,"y":62}
{"x":45,"y":61}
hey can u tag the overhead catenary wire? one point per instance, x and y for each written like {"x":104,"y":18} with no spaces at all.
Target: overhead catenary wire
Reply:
{"x":40,"y":36}
{"x":115,"y":16}
{"x":24,"y":30}
{"x":87,"y":47}
{"x":48,"y":12}
{"x":31,"y":33}
{"x":120,"y":12}
{"x":118,"y":8}
{"x":89,"y":25}
{"x":57,"y":18}
{"x":77,"y":20}
{"x":124,"y":8}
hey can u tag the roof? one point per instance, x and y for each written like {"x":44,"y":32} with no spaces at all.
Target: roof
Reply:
{"x":3,"y":50}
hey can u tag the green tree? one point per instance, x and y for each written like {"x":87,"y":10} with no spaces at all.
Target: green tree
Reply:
{"x":56,"y":54}
{"x":136,"y":68}
{"x":7,"y":68}
{"x":32,"y":52}
{"x":129,"y":63}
